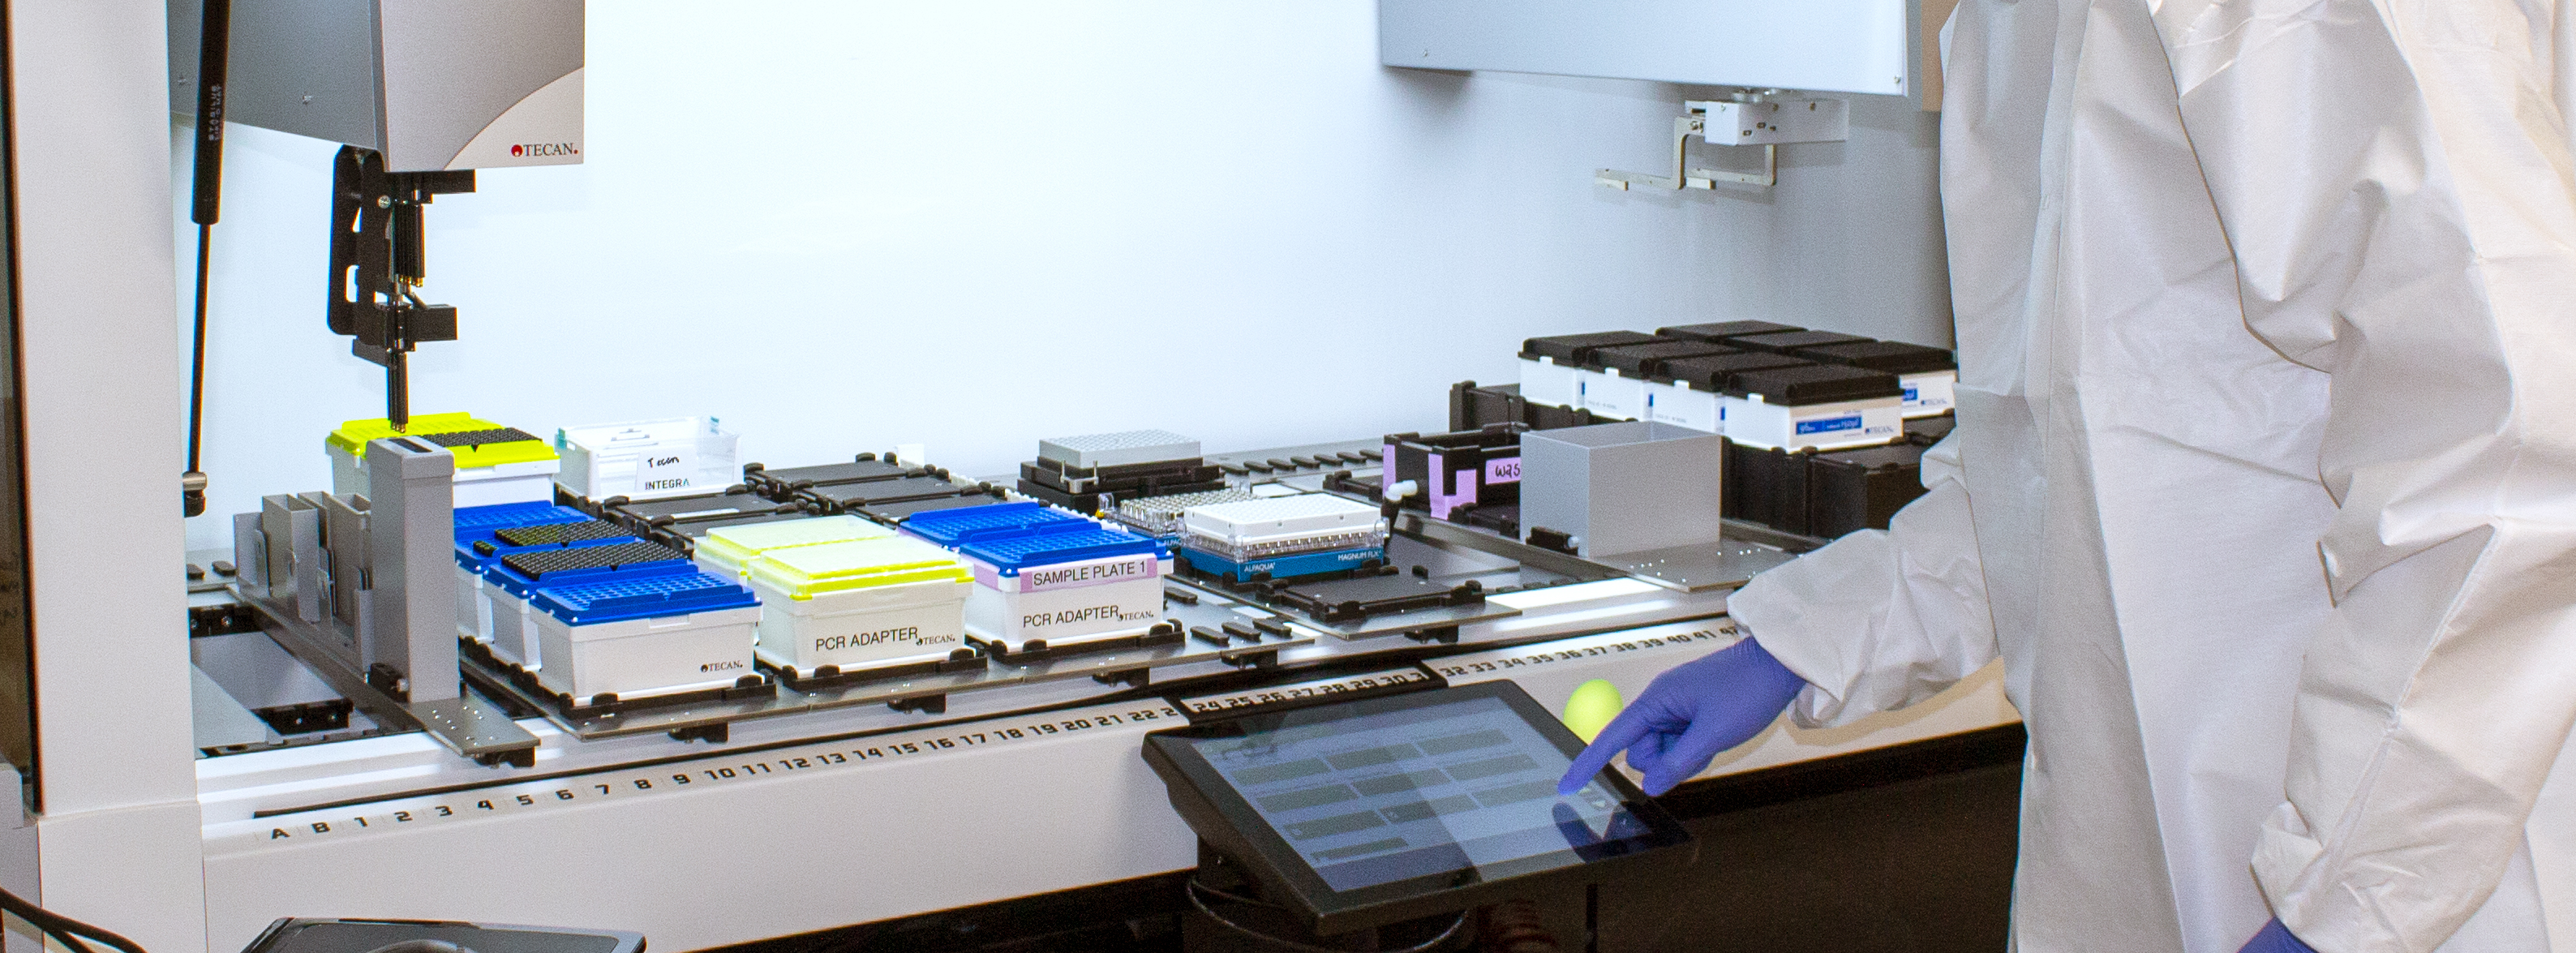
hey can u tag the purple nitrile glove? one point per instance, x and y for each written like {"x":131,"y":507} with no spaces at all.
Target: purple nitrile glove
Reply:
{"x":2275,"y":938}
{"x":1690,"y":714}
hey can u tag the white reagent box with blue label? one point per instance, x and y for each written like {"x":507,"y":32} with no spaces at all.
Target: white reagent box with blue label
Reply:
{"x":1690,"y":391}
{"x":1064,"y":585}
{"x":1617,"y":381}
{"x":1823,"y":406}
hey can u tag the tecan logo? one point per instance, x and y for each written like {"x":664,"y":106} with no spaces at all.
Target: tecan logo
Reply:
{"x":521,"y":150}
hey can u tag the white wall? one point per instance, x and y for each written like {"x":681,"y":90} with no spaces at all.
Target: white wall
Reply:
{"x":840,"y":226}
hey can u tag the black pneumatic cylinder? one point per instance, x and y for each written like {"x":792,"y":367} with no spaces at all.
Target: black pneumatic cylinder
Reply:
{"x":213,"y":42}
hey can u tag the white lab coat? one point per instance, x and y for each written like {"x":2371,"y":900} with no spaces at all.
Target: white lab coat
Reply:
{"x":2264,"y":481}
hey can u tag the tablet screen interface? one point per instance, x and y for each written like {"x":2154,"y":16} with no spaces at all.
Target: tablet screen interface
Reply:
{"x":1395,"y":795}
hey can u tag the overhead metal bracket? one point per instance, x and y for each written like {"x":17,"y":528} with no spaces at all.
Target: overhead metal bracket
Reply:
{"x":1745,"y":122}
{"x":1685,"y":177}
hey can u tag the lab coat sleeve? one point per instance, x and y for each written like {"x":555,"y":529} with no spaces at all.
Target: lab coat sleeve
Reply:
{"x":2395,"y":181}
{"x":1879,"y":619}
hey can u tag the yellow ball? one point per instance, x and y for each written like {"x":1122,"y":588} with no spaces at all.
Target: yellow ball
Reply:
{"x":1591,"y":707}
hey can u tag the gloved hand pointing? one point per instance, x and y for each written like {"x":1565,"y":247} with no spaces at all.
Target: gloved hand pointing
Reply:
{"x":2275,"y":938}
{"x":1690,"y":714}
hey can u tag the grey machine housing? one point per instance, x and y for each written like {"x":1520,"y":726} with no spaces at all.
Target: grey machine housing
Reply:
{"x":431,"y":84}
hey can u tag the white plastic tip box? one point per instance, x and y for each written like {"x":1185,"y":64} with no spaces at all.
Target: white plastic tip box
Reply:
{"x":520,"y":470}
{"x":1285,"y":524}
{"x":1119,"y":449}
{"x":860,"y":605}
{"x":648,"y":459}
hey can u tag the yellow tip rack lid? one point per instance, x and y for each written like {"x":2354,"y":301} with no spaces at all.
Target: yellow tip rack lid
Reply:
{"x":496,"y":444}
{"x":734,"y":547}
{"x":804,"y":572}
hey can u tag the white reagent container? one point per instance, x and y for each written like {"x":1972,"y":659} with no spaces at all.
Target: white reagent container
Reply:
{"x":1926,"y":375}
{"x":648,"y":459}
{"x":1692,"y":391}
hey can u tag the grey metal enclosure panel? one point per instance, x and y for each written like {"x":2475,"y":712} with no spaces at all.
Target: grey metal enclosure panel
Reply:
{"x":452,"y":65}
{"x":417,"y":80}
{"x":302,"y":66}
{"x":1849,"y":46}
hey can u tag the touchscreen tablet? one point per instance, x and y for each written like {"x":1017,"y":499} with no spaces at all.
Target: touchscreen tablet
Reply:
{"x":1398,"y":798}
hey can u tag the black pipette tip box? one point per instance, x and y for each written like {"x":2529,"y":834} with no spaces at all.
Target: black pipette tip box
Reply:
{"x":1813,"y":384}
{"x":1790,"y":342}
{"x":1718,"y":332}
{"x":1573,"y":350}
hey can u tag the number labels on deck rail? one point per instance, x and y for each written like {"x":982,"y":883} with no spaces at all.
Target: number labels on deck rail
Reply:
{"x":1393,"y":679}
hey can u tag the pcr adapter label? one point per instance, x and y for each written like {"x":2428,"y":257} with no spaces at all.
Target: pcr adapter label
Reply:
{"x":1087,"y":614}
